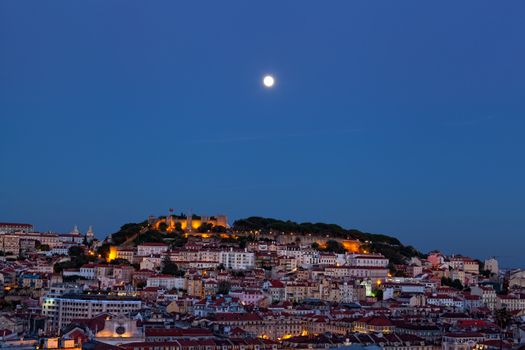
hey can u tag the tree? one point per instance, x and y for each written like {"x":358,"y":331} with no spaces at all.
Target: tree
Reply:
{"x":238,"y":273}
{"x":218,"y":229}
{"x":485,"y":273}
{"x":76,"y":251}
{"x":119,"y":261}
{"x":456,"y":284}
{"x":103,"y":250}
{"x":73,"y":278}
{"x":178,"y":241}
{"x":378,"y":293}
{"x":334,"y":247}
{"x":163,"y":227}
{"x":151,"y":236}
{"x":44,"y":248}
{"x":170,"y":268}
{"x":242,"y":243}
{"x":126,"y":231}
{"x":503,"y":319}
{"x":223,"y":287}
{"x":315,"y":246}
{"x":204,"y":227}
{"x":77,"y":258}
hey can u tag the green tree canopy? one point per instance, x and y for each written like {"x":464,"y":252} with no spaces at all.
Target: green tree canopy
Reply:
{"x":223,"y":287}
{"x":456,"y":284}
{"x":170,"y":268}
{"x":503,"y":318}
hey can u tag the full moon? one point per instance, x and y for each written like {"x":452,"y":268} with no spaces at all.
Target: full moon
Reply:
{"x":268,"y":81}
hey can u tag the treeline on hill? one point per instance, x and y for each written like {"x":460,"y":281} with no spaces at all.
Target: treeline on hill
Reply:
{"x":127,"y":231}
{"x":78,"y":257}
{"x":138,"y":233}
{"x":141,"y":233}
{"x":336,"y":231}
{"x":389,"y":246}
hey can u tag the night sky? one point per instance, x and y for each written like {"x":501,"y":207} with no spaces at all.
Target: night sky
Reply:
{"x":399,"y":117}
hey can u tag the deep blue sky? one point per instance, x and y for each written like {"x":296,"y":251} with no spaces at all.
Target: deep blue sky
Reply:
{"x":396,"y":117}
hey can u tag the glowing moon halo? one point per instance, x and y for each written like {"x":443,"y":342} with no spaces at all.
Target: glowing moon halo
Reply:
{"x":268,"y":81}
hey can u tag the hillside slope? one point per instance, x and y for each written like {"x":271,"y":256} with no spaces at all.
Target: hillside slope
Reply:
{"x":132,"y":234}
{"x":389,"y":246}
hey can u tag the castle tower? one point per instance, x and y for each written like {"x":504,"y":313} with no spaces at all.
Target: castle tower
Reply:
{"x":90,"y":236}
{"x":189,"y":219}
{"x":169,"y":222}
{"x":222,"y":220}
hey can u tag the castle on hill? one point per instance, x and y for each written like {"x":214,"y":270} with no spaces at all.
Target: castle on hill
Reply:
{"x":187,"y":222}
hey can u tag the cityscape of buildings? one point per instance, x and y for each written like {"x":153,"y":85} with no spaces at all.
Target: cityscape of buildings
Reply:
{"x":188,"y":282}
{"x":394,"y":117}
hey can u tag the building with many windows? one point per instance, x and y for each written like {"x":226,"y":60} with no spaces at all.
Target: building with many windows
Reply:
{"x":237,"y":259}
{"x":64,"y":309}
{"x":147,"y":249}
{"x":11,"y":227}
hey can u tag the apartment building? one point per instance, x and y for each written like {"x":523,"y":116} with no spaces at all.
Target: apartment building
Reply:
{"x":147,"y":249}
{"x":369,"y":260}
{"x":63,"y":309}
{"x":237,"y":259}
{"x":11,"y":227}
{"x":487,"y":294}
{"x":167,"y":282}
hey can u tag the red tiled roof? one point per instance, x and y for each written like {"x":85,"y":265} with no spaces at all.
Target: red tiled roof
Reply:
{"x":376,"y":321}
{"x":4,"y":332}
{"x":231,"y":316}
{"x":276,"y":284}
{"x":464,"y":335}
{"x":178,"y":332}
{"x":95,"y":324}
{"x":14,"y":224}
{"x":471,"y":323}
{"x":498,"y":344}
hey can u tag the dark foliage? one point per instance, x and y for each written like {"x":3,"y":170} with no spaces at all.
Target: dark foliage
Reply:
{"x":223,"y":287}
{"x":265,"y":225}
{"x":126,"y":231}
{"x":170,"y":268}
{"x":151,"y":236}
{"x":389,"y":246}
{"x":77,"y":259}
{"x":205,"y":228}
{"x":456,"y":284}
{"x":334,"y":247}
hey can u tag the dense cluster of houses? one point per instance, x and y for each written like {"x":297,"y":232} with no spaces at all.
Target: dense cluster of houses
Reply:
{"x":216,"y":294}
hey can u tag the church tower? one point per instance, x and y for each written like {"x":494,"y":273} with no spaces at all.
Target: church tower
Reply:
{"x":75,"y":230}
{"x":90,"y":236}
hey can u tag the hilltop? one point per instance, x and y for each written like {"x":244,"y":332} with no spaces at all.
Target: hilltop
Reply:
{"x":132,"y":234}
{"x":389,"y":246}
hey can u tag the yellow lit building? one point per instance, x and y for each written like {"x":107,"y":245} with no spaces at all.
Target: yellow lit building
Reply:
{"x":112,"y":255}
{"x":190,"y":223}
{"x":195,"y":286}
